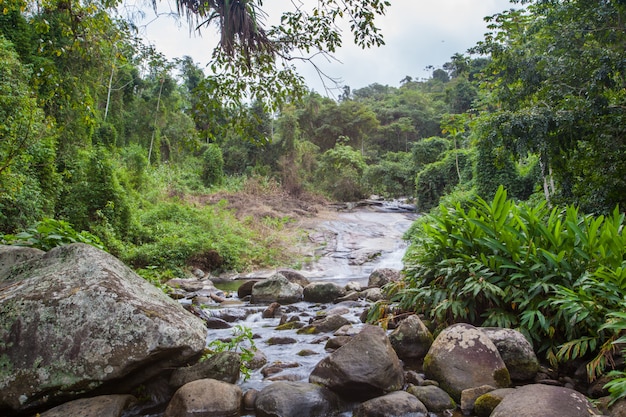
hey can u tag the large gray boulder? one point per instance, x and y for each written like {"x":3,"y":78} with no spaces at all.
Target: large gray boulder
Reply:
{"x":516,"y":352}
{"x":323,"y":292}
{"x":396,"y":404}
{"x":277,"y":289}
{"x":411,"y":339}
{"x":11,"y":256}
{"x":539,"y":400}
{"x":364,"y":368}
{"x":463,"y":357}
{"x":77,"y":319}
{"x":206,"y":398}
{"x":296,"y":399}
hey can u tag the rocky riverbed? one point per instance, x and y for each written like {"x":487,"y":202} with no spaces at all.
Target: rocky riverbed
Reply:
{"x":82,"y":335}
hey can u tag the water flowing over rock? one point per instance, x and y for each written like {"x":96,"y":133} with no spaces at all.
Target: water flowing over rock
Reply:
{"x":516,"y":352}
{"x":77,"y":319}
{"x":206,"y":398}
{"x":397,"y":404}
{"x":296,"y":399}
{"x":411,"y":339}
{"x":277,"y":289}
{"x":539,"y":400}
{"x":462,"y":357}
{"x":364,"y":368}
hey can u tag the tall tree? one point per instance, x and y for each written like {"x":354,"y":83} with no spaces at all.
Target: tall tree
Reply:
{"x":258,"y":62}
{"x":558,"y":87}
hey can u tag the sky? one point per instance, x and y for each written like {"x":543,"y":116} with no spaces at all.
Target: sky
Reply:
{"x":418,"y":34}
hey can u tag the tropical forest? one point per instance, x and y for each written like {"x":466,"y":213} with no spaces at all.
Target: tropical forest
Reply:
{"x":513,"y":154}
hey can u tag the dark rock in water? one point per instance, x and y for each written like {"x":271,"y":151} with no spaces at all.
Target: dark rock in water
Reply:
{"x":411,"y":339}
{"x":245,"y":289}
{"x":281,"y":341}
{"x":364,"y":368}
{"x":207,"y":398}
{"x":323,"y":292}
{"x":538,"y":400}
{"x":249,"y":399}
{"x":216,"y":323}
{"x":277,"y":367}
{"x":396,"y":404}
{"x":271,"y":311}
{"x":296,"y":399}
{"x":76,"y":320}
{"x":434,"y":398}
{"x":223,"y":366}
{"x":323,"y":325}
{"x":462,"y":357}
{"x":101,"y":406}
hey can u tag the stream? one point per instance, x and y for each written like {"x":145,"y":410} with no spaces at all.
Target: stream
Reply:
{"x":348,"y":247}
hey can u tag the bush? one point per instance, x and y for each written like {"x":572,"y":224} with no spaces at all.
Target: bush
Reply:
{"x":50,"y":233}
{"x":212,"y":165}
{"x":441,"y":177}
{"x":339,"y":173}
{"x":554,"y":274}
{"x":393,"y":176}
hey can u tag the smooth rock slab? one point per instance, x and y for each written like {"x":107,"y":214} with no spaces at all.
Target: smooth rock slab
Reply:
{"x":76,"y":319}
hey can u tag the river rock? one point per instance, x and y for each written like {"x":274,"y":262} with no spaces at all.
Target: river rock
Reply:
{"x":484,"y":405}
{"x":462,"y":357}
{"x":77,"y":319}
{"x":276,"y":289}
{"x":396,"y":404}
{"x":470,"y":395}
{"x":245,"y":289}
{"x":364,"y":368}
{"x":296,"y":399}
{"x":516,"y":352}
{"x":325,"y":324}
{"x":373,"y":294}
{"x":382,"y":276}
{"x":434,"y":398}
{"x":323,"y":292}
{"x":206,"y":398}
{"x":14,"y":255}
{"x":223,"y":366}
{"x":538,"y":400}
{"x":101,"y":406}
{"x":411,"y":339}
{"x":294,"y":277}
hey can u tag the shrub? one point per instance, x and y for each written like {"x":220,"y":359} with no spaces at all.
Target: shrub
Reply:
{"x":50,"y":233}
{"x":554,"y":273}
{"x":339,"y":173}
{"x":212,"y":165}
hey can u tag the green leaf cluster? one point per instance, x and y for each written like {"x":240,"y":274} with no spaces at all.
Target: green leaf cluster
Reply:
{"x":555,"y":274}
{"x":50,"y":233}
{"x":242,"y":342}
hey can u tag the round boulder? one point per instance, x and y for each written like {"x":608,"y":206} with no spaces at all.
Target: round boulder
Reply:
{"x":383,"y":276}
{"x":323,"y":292}
{"x":411,"y":339}
{"x":77,"y":319}
{"x":538,"y":400}
{"x":14,"y":255}
{"x":206,"y":398}
{"x":223,"y":366}
{"x":396,"y":404}
{"x":434,"y":398}
{"x":295,"y":399}
{"x":364,"y":368}
{"x":516,"y":352}
{"x":463,"y":357}
{"x":277,"y":289}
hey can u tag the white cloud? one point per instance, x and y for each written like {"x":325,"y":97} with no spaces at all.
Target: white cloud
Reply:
{"x":418,"y":33}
